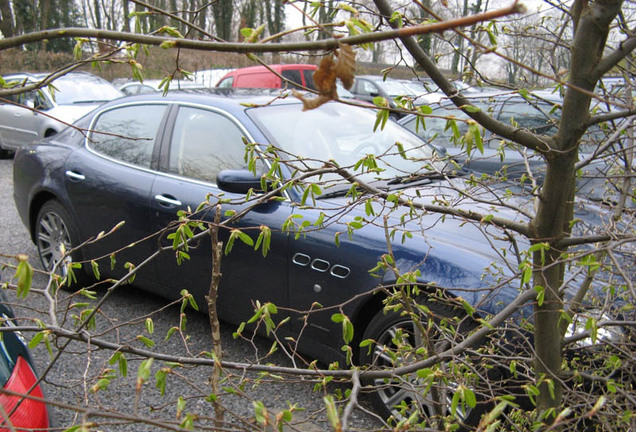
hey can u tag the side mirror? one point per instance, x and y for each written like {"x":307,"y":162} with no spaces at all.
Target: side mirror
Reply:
{"x":238,"y":181}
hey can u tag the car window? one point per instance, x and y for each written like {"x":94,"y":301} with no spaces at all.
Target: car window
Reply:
{"x":128,"y":134}
{"x":292,"y":75}
{"x":393,"y":88}
{"x":536,"y":118}
{"x":226,"y":83}
{"x":365,"y":88}
{"x":73,"y":89}
{"x":308,"y":74}
{"x":204,"y":143}
{"x":41,"y":102}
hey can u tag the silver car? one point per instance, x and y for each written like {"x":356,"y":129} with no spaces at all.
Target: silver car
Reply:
{"x":36,"y":114}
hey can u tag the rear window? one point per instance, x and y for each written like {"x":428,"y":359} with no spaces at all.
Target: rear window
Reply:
{"x":128,"y":134}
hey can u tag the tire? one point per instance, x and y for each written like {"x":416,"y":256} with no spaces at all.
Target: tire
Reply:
{"x":53,"y":229}
{"x":409,"y":392}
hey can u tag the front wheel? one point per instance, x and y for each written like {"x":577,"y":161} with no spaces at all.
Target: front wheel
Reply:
{"x":429,"y":393}
{"x":55,"y":238}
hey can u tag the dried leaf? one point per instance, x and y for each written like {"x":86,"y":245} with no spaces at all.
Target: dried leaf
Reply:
{"x":311,"y":102}
{"x":325,"y":78}
{"x":326,"y":75}
{"x":346,"y":65}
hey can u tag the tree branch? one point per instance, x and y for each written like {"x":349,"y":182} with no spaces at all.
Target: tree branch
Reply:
{"x":520,"y":136}
{"x":327,"y":44}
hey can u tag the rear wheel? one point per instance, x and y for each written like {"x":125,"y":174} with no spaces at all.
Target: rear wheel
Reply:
{"x":397,"y":343}
{"x":55,"y":237}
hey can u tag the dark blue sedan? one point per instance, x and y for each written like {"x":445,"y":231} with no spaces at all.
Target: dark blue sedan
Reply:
{"x":143,"y":159}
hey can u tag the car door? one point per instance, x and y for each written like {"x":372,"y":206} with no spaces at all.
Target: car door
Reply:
{"x":365,"y":90}
{"x":203,"y":142}
{"x":18,"y":122}
{"x":109,"y":180}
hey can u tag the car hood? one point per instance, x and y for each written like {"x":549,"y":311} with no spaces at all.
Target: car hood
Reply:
{"x":467,"y":257}
{"x":70,"y":113}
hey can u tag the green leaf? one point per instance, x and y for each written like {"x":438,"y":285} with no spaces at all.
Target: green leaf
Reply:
{"x":471,"y":108}
{"x":470,"y":398}
{"x":491,"y":36}
{"x":95,"y":268}
{"x":160,"y":377}
{"x":143,"y":373}
{"x":260,"y":413}
{"x":35,"y":341}
{"x":150,"y":326}
{"x":264,"y":239}
{"x":172,"y":31}
{"x":332,"y":413}
{"x":381,"y":118}
{"x":540,"y":294}
{"x":148,"y":342}
{"x":455,"y":401}
{"x":123,"y":365}
{"x":78,"y":48}
{"x":24,"y":274}
{"x":130,"y":267}
{"x":475,"y":131}
{"x":591,"y":325}
{"x":168,"y":44}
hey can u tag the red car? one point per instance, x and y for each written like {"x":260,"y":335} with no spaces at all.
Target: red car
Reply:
{"x":261,"y":77}
{"x":17,"y":377}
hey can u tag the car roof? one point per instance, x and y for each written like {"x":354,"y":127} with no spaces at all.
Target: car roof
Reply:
{"x":376,"y":77}
{"x":40,"y":75}
{"x":227,"y":98}
{"x":276,"y":67}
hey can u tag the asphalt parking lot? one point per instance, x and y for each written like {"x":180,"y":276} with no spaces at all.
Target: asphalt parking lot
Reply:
{"x":121,"y":320}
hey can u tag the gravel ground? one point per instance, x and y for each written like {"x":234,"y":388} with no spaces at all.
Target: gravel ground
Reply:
{"x":121,"y":320}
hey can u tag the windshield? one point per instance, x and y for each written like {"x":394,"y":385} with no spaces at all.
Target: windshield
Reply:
{"x":344,"y":134}
{"x":83,"y":89}
{"x":394,"y":88}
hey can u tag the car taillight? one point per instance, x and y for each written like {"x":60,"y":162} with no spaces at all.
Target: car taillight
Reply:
{"x":30,"y":414}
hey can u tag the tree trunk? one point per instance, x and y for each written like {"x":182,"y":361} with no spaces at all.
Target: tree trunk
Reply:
{"x":6,"y":23}
{"x":555,"y":206}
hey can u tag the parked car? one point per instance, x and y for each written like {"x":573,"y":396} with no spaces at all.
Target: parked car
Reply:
{"x":148,"y":157}
{"x":368,"y":87}
{"x":130,"y":88}
{"x":18,"y":376}
{"x":28,"y":116}
{"x":262,"y":77}
{"x":540,"y":114}
{"x":505,"y":107}
{"x":136,"y":87}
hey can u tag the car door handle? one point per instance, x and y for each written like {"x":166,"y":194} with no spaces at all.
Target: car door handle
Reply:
{"x":168,"y":201}
{"x":75,"y":176}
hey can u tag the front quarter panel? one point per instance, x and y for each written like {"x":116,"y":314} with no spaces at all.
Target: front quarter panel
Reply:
{"x":37,"y":177}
